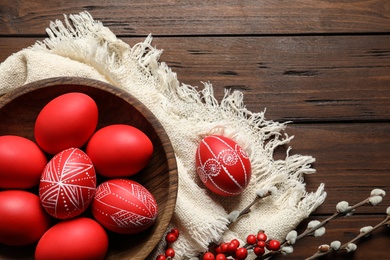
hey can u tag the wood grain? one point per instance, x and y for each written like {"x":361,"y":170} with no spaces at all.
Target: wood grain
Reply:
{"x":351,"y":159}
{"x":339,"y":78}
{"x":310,"y":76}
{"x":187,"y":17}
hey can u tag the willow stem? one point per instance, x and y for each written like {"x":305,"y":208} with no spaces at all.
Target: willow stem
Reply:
{"x":310,"y":231}
{"x":247,"y":209}
{"x":382,"y":223}
{"x":386,"y":221}
{"x":335,"y":215}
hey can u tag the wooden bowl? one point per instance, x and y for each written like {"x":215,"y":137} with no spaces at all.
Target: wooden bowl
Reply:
{"x":19,"y":109}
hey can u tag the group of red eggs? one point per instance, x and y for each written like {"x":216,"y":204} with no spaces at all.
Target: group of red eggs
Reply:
{"x":48,"y":184}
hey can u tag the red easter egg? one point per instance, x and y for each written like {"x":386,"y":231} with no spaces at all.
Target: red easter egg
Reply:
{"x":22,"y":162}
{"x":67,"y":184}
{"x":124,"y":206}
{"x":78,"y":238}
{"x":119,"y":150}
{"x":68,"y":120}
{"x":22,"y":219}
{"x":222,"y":165}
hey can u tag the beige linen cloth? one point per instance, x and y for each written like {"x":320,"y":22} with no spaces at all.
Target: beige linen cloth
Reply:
{"x":83,"y":47}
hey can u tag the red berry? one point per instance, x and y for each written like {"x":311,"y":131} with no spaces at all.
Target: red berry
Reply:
{"x":208,"y":256}
{"x":273,"y":245}
{"x":236,"y":242}
{"x":218,"y":250}
{"x":175,"y":231}
{"x":261,"y":243}
{"x":241,"y":253}
{"x":251,"y":239}
{"x":259,"y":250}
{"x":161,"y":257}
{"x":220,"y":257}
{"x":232,"y":247}
{"x":170,"y":238}
{"x":224,"y":247}
{"x":170,"y":252}
{"x":261,"y":236}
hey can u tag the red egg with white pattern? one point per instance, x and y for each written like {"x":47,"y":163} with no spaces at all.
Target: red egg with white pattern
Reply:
{"x":222,"y":165}
{"x":124,"y":206}
{"x":67,"y":184}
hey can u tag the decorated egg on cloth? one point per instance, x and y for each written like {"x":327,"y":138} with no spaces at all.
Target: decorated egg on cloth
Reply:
{"x":222,"y":165}
{"x":22,"y":219}
{"x":119,"y":150}
{"x":67,"y":184}
{"x":124,"y":206}
{"x":78,"y":238}
{"x":22,"y":162}
{"x":68,"y":120}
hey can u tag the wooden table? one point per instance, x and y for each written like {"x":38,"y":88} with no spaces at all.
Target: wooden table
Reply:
{"x":324,"y":65}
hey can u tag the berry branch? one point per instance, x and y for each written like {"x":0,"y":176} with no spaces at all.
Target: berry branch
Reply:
{"x":265,"y":248}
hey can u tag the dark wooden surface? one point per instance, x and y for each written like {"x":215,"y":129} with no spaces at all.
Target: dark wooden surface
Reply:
{"x":324,"y":65}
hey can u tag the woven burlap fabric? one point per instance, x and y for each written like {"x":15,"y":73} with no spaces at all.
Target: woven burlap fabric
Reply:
{"x":83,"y":47}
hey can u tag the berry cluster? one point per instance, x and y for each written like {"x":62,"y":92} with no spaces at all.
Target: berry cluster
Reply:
{"x":231,"y":248}
{"x":169,"y":238}
{"x":258,"y":243}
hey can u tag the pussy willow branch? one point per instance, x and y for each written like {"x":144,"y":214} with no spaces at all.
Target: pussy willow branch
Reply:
{"x":310,"y":231}
{"x":384,"y":222}
{"x":247,"y":209}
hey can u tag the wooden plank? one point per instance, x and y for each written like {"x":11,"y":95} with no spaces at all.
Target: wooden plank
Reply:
{"x":300,"y":79}
{"x":316,"y":78}
{"x":351,"y":159}
{"x":203,"y":18}
{"x":8,"y":46}
{"x":344,"y":229}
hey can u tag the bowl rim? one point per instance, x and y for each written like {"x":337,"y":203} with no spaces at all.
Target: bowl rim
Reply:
{"x":145,"y":111}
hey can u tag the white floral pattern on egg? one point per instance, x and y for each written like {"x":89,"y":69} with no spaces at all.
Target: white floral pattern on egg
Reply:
{"x":222,"y":165}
